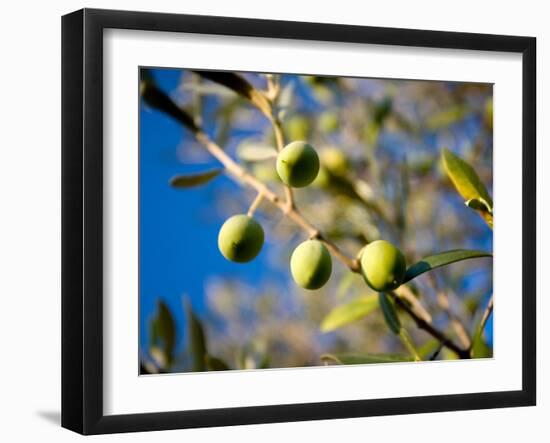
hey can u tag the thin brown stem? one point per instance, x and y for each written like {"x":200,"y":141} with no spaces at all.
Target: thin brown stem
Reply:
{"x":280,"y":142}
{"x":257,"y":201}
{"x":483,"y":322}
{"x":430,"y":329}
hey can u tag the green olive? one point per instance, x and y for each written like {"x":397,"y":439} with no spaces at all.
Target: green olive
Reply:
{"x":241,"y":238}
{"x":383,"y":266}
{"x":297,"y":164}
{"x":311,"y":264}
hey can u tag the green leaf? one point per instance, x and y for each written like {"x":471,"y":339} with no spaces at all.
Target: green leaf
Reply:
{"x":465,"y":179}
{"x":157,"y":99}
{"x":445,"y":118}
{"x":442,"y":259}
{"x":197,"y":339}
{"x":409,"y":344}
{"x":255,"y":152}
{"x":390,"y":314}
{"x":350,"y":312}
{"x":479,"y":205}
{"x":197,"y":179}
{"x":163,"y":334}
{"x":215,"y":363}
{"x":359,"y":359}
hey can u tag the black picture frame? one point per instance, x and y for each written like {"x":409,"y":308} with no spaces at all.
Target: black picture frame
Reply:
{"x":82,"y":220}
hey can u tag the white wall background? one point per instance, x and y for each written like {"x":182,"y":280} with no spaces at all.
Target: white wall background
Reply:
{"x":30,"y":276}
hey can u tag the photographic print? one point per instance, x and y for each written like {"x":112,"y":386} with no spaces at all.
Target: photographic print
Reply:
{"x":297,"y":220}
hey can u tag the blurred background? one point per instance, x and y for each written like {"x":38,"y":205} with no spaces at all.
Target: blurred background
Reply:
{"x":380,"y":143}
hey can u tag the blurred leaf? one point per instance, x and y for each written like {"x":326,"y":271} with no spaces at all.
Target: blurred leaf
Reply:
{"x":215,"y":363}
{"x":350,"y":312}
{"x":480,"y":349}
{"x":209,"y":89}
{"x":445,"y":118}
{"x":429,"y":348}
{"x":390,"y":314}
{"x":157,"y":99}
{"x":359,"y":359}
{"x":197,"y":340}
{"x":197,"y":179}
{"x":255,"y":152}
{"x":409,"y":344}
{"x":346,"y":282}
{"x":382,"y":110}
{"x":285,"y":99}
{"x":163,"y":336}
{"x":239,"y":85}
{"x":467,"y":183}
{"x":442,"y":259}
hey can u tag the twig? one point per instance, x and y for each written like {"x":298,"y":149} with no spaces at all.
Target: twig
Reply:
{"x":279,"y":140}
{"x":257,"y":201}
{"x":483,"y":322}
{"x":443,"y":301}
{"x":430,"y":329}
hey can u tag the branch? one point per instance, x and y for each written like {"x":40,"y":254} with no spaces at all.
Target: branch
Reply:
{"x":430,"y":329}
{"x":239,"y":172}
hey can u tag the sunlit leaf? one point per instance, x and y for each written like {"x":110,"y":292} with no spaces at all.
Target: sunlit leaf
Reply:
{"x":350,"y":312}
{"x":359,"y":359}
{"x":256,"y":152}
{"x":465,"y":179}
{"x":390,"y":314}
{"x":442,"y":259}
{"x":445,"y":118}
{"x":346,"y":283}
{"x":195,"y":179}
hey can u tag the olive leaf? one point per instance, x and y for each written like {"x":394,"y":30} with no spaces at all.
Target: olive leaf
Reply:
{"x":196,"y":179}
{"x":464,"y":178}
{"x":239,"y":85}
{"x":390,"y":314}
{"x":197,"y":339}
{"x":157,"y":99}
{"x":445,"y":118}
{"x":215,"y":364}
{"x":479,"y":204}
{"x":468,"y":185}
{"x":163,"y":335}
{"x":442,"y":259}
{"x":363,"y":358}
{"x":349,"y":312}
{"x":255,"y":152}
